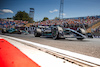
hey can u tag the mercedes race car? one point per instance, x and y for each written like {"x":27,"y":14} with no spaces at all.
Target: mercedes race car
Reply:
{"x":56,"y":32}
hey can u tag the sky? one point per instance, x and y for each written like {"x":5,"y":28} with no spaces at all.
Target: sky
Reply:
{"x":50,"y":8}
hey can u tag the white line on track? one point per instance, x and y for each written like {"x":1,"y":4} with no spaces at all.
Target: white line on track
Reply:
{"x":76,"y":55}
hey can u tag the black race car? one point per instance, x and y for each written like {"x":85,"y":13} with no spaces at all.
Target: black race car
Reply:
{"x":56,"y":32}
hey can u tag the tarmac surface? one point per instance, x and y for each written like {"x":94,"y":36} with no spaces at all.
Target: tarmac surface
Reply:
{"x":89,"y":47}
{"x":41,"y":58}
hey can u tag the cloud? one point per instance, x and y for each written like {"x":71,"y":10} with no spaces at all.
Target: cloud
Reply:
{"x":6,"y":11}
{"x":53,"y":11}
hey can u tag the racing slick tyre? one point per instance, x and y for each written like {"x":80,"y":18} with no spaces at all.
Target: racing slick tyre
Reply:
{"x":55,"y":33}
{"x":4,"y":30}
{"x":89,"y":35}
{"x":36,"y":33}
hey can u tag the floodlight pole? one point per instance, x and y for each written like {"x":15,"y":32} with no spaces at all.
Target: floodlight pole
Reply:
{"x":61,"y":9}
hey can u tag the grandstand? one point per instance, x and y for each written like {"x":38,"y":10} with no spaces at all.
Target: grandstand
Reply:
{"x":90,"y":23}
{"x":5,"y":23}
{"x":93,"y":27}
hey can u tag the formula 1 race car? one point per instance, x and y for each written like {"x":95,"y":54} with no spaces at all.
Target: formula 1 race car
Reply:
{"x":9,"y":30}
{"x":56,"y":32}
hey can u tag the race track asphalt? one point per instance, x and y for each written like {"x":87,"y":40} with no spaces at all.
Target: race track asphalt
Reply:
{"x":90,"y":47}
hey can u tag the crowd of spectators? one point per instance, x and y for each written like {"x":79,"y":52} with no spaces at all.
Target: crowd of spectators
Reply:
{"x":68,"y":23}
{"x":72,"y":22}
{"x":5,"y":23}
{"x":97,"y":30}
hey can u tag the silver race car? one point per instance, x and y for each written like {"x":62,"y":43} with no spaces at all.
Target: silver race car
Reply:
{"x":56,"y":32}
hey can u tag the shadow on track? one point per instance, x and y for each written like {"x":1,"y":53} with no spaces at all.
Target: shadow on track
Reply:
{"x":65,"y":39}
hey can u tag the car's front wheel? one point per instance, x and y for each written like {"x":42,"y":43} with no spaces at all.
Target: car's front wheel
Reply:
{"x":36,"y":33}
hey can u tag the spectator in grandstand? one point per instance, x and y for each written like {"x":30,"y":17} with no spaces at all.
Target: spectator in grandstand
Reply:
{"x":72,"y":23}
{"x":7,"y":23}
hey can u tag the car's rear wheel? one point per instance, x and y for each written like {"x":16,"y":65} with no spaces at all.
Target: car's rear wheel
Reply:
{"x":4,"y":31}
{"x":55,"y":34}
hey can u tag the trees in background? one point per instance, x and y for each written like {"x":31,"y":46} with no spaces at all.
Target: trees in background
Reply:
{"x":21,"y":15}
{"x":56,"y":18}
{"x":45,"y":18}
